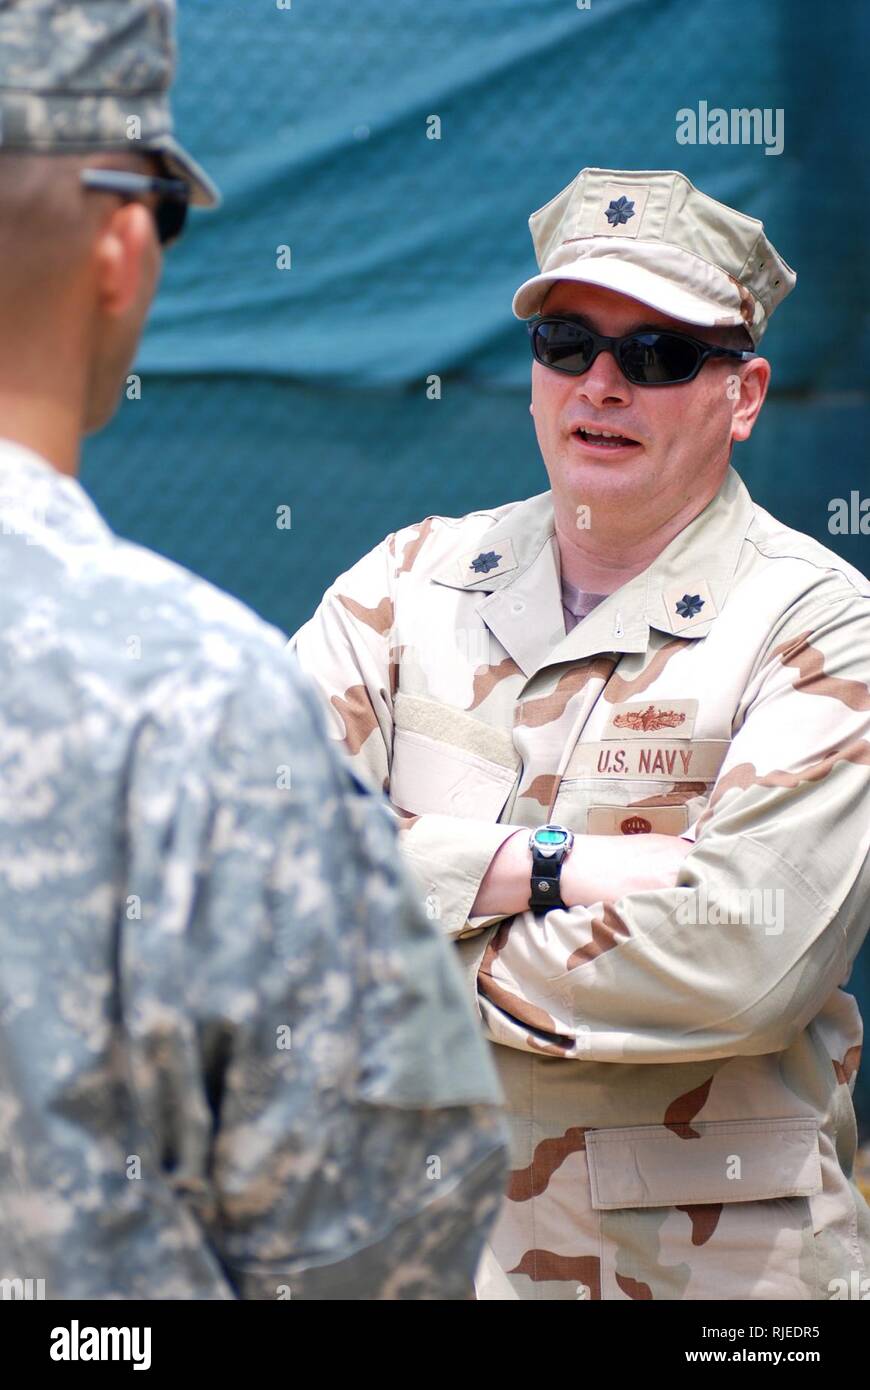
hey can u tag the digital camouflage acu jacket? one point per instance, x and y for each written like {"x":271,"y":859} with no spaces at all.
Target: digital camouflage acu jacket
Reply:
{"x":678,"y":1065}
{"x":236,"y":1060}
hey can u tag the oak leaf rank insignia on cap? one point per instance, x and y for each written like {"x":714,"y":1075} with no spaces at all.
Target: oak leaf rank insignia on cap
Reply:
{"x":619,"y":210}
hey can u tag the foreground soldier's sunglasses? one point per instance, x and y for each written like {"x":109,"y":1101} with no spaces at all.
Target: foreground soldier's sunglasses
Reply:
{"x":170,"y":213}
{"x":647,"y":358}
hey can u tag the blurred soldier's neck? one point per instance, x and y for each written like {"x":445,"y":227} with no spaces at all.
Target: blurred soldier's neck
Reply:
{"x":41,"y":403}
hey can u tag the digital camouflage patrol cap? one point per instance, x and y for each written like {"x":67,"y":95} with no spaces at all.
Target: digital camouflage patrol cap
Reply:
{"x":90,"y":75}
{"x":652,"y":235}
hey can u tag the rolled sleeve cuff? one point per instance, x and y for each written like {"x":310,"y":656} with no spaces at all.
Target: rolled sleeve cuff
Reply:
{"x":449,"y":858}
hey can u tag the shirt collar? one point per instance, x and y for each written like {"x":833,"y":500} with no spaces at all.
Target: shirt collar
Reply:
{"x":518,"y":575}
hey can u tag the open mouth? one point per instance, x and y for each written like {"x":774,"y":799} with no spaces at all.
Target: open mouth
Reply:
{"x":605,"y":440}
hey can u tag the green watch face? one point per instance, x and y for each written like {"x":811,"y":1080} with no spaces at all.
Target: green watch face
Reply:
{"x":551,"y":837}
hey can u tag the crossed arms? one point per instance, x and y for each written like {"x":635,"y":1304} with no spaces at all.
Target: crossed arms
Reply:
{"x":642,"y":966}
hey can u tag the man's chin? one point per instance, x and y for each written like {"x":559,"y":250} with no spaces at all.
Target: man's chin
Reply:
{"x":580,"y":469}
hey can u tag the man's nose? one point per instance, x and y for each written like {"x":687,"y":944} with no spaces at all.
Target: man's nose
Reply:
{"x":604,"y":383}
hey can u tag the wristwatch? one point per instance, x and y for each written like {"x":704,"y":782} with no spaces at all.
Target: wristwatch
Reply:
{"x":550,"y":846}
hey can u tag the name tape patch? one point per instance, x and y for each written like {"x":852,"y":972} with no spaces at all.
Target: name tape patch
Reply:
{"x":678,"y":762}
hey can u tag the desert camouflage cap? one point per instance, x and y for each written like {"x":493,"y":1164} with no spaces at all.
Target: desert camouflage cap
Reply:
{"x":78,"y":75}
{"x":653,"y":235}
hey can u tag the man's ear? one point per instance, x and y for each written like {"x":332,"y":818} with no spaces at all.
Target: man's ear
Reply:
{"x":126,"y":256}
{"x":754,"y":381}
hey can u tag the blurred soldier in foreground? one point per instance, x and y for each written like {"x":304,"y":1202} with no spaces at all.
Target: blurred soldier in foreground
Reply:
{"x":229,"y":1041}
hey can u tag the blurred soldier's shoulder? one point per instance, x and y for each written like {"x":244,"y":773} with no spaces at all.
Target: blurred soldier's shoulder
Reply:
{"x":79,"y":597}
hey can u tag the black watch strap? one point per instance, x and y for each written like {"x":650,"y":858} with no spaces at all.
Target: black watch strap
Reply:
{"x":546,"y":876}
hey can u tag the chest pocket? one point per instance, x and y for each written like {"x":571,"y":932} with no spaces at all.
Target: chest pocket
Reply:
{"x":446,"y":762}
{"x":639,"y":787}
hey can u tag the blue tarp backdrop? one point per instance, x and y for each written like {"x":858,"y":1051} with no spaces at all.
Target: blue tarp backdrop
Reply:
{"x":287,"y":357}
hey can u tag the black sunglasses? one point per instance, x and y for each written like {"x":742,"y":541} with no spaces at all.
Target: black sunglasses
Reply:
{"x":649,"y":357}
{"x":170,"y":214}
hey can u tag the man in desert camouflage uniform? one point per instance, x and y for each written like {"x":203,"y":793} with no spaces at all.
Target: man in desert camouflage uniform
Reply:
{"x":644,"y":657}
{"x":236,"y":1060}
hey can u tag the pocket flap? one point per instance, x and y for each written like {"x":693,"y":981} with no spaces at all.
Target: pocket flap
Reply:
{"x":726,"y":1161}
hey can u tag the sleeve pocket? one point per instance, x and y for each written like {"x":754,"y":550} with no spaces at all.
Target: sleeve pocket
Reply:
{"x":430,"y":776}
